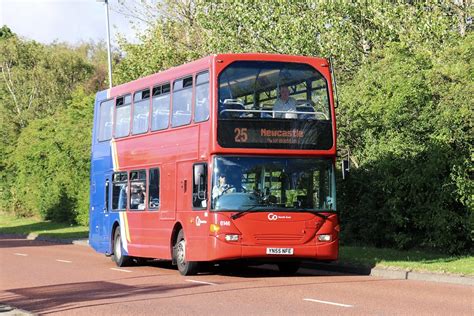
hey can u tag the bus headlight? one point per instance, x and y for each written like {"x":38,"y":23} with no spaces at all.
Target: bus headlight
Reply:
{"x":324,"y":237}
{"x":232,"y":237}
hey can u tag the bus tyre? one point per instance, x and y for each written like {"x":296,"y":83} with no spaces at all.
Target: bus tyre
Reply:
{"x":289,"y":268}
{"x":184,"y":267}
{"x":118,"y":257}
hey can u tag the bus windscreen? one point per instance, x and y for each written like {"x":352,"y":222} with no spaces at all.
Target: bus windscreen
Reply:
{"x":273,"y":184}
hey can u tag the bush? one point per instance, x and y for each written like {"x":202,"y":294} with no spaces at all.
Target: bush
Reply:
{"x":52,"y":161}
{"x":406,"y":118}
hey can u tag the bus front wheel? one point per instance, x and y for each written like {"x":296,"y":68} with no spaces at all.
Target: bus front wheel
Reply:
{"x":184,"y":267}
{"x":118,"y":257}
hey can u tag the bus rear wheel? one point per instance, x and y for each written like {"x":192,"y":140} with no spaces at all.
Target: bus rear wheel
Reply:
{"x":118,"y":257}
{"x":184,"y":267}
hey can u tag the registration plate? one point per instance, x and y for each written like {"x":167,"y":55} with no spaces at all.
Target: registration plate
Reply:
{"x":279,"y":251}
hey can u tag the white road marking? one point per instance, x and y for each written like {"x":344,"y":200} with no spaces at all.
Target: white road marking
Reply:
{"x":65,"y":261}
{"x":326,"y":302}
{"x":202,"y":282}
{"x":121,"y":270}
{"x":21,"y":254}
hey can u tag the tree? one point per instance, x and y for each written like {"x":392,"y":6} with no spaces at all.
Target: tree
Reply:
{"x":407,"y":117}
{"x":6,"y":32}
{"x":52,"y":160}
{"x":35,"y":78}
{"x":173,"y":37}
{"x":36,"y":82}
{"x":347,"y":30}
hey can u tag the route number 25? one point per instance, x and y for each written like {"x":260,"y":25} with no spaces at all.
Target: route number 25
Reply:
{"x":241,"y":135}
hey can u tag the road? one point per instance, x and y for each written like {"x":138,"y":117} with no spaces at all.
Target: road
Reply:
{"x":46,"y":278}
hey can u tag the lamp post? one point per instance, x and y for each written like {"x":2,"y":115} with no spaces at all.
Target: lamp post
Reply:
{"x":106,"y":2}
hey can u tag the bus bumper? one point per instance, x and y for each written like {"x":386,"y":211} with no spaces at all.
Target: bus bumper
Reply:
{"x":222,"y":250}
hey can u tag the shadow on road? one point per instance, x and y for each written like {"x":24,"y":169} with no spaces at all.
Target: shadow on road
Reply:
{"x":243,"y":270}
{"x":10,"y":241}
{"x":61,"y":297}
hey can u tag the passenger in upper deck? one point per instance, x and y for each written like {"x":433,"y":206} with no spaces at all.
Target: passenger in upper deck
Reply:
{"x":284,"y":103}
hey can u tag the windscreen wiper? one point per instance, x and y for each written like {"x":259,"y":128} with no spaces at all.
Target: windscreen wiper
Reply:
{"x":252,"y":209}
{"x":317,"y":213}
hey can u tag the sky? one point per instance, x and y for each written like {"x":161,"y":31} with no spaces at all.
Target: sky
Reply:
{"x":71,"y":21}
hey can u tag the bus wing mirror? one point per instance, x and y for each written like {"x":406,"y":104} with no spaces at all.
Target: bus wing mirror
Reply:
{"x":345,"y":168}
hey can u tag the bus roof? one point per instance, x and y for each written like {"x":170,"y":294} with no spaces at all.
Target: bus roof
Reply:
{"x":201,"y":64}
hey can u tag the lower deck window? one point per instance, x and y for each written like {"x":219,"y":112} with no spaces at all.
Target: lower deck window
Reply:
{"x":137,"y":190}
{"x":154,"y":188}
{"x":119,"y":191}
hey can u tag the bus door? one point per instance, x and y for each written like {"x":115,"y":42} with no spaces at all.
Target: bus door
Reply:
{"x":183,"y":186}
{"x":100,"y":213}
{"x":168,"y":201}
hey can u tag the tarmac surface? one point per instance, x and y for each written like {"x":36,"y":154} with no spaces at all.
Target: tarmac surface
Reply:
{"x":385,"y":273}
{"x":382,"y":272}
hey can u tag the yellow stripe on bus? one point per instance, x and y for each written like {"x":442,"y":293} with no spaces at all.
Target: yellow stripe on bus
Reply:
{"x":115,"y":160}
{"x":127,"y":231}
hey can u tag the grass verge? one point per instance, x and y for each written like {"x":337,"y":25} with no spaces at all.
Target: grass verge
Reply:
{"x":421,"y":261}
{"x":366,"y":256}
{"x":12,"y":225}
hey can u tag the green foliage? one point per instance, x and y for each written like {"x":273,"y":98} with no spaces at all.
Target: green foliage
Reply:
{"x":52,"y":164}
{"x":173,"y":38}
{"x":6,"y":32}
{"x":407,"y":119}
{"x":348,"y":30}
{"x":37,"y":84}
{"x":37,"y":78}
{"x":414,"y":260}
{"x":33,"y":226}
{"x":183,"y":30}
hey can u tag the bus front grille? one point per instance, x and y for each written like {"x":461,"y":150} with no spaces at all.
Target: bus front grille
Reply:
{"x":278,"y":237}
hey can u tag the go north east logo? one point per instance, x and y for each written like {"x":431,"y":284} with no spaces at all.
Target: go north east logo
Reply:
{"x":274,"y":217}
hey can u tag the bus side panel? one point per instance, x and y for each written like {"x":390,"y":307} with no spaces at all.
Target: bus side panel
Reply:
{"x":154,"y":235}
{"x":98,"y":214}
{"x":101,"y":171}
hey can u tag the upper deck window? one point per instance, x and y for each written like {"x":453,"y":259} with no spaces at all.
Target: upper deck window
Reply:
{"x":141,"y":111}
{"x":252,"y":89}
{"x":182,"y":101}
{"x":161,"y":107}
{"x":122,"y":116}
{"x":265,"y":104}
{"x":201,"y":110}
{"x":105,"y":120}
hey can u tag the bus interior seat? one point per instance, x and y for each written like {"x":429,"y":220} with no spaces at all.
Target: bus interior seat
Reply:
{"x":305,"y":106}
{"x":267,"y":111}
{"x":231,"y":104}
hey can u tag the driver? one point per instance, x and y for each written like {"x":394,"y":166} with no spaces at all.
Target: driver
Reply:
{"x":221,"y":187}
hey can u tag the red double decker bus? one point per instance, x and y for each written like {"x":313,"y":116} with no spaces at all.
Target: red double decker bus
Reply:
{"x":225,"y":158}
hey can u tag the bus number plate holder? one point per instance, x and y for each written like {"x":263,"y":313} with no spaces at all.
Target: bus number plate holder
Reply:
{"x":280,"y":251}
